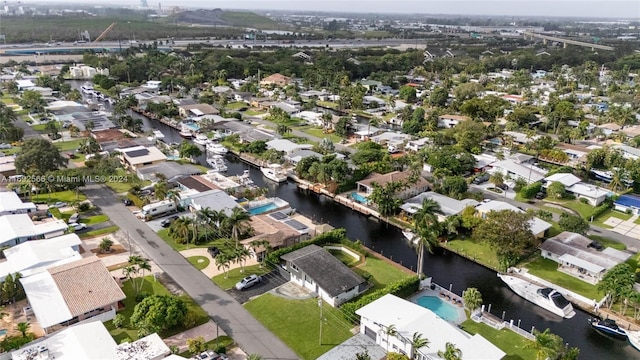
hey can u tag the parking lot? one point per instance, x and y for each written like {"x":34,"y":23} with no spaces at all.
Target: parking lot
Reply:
{"x":269,"y":282}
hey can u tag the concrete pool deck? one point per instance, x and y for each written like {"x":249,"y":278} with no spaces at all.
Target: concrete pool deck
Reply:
{"x":453,"y":300}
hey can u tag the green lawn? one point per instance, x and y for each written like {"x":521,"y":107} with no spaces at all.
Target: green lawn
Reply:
{"x":78,"y":158}
{"x":96,"y":219}
{"x":65,"y":196}
{"x":252,"y":112}
{"x":508,"y":341}
{"x":229,"y":280}
{"x":585,"y":210}
{"x":14,"y":150}
{"x":328,"y":104}
{"x":599,"y":221}
{"x":608,"y":242}
{"x":344,"y":257}
{"x":8,"y":100}
{"x":382,"y":273}
{"x":103,"y":231}
{"x":200,"y":262}
{"x":235,"y":106}
{"x":41,"y":128}
{"x":221,"y":244}
{"x":150,"y":287}
{"x":120,"y":187}
{"x":482,"y":252}
{"x":68,"y":145}
{"x":299,"y":325}
{"x":318,"y":132}
{"x":548,"y":270}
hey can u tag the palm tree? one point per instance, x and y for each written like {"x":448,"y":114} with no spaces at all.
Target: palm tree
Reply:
{"x":240,"y":256}
{"x":238,"y":221}
{"x":546,"y":344}
{"x":175,"y":197}
{"x":23,"y":327}
{"x":223,"y":261}
{"x":283,"y":129}
{"x":472,"y":299}
{"x":451,"y":352}
{"x":417,"y":342}
{"x":390,"y":330}
{"x":426,"y":229}
{"x":180,"y":229}
{"x":497,"y":179}
{"x":161,"y":190}
{"x":257,"y":244}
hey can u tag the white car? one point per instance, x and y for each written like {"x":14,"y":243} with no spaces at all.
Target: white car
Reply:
{"x":248,"y":282}
{"x":78,"y":226}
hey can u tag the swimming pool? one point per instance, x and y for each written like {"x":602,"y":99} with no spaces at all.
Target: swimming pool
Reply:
{"x":359,"y":198}
{"x":3,"y":332}
{"x":262,"y":208}
{"x":442,"y":308}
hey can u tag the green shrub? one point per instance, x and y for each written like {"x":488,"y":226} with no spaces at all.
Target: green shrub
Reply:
{"x":141,"y":296}
{"x":603,"y":208}
{"x":402,"y":288}
{"x":85,"y":206}
{"x":56,"y":213}
{"x":118,"y":320}
{"x":584,"y":200}
{"x":136,"y":200}
{"x":530,"y":190}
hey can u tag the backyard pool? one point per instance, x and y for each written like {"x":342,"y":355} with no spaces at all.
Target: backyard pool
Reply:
{"x":442,"y":308}
{"x":3,"y":332}
{"x":359,"y":198}
{"x":262,"y":208}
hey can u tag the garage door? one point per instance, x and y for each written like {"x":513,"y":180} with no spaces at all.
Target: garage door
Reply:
{"x":370,"y":333}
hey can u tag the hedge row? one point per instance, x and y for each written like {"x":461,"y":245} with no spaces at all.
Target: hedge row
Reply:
{"x":604,"y":207}
{"x":136,"y":200}
{"x":530,"y":190}
{"x":402,"y":288}
{"x":337,"y":236}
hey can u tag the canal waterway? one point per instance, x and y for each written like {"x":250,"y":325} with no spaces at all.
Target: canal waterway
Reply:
{"x":447,"y":269}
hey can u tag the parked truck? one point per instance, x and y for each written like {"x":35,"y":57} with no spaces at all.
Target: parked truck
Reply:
{"x":158,"y":209}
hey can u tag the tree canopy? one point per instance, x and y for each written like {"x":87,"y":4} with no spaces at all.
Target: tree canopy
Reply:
{"x":159,"y":312}
{"x":39,"y":156}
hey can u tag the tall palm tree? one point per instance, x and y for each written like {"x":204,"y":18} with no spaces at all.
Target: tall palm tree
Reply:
{"x":140,"y":265}
{"x":546,"y":344}
{"x":472,"y":299}
{"x":180,"y":229}
{"x":390,"y":330}
{"x":426,"y":229}
{"x":265,"y":245}
{"x":23,"y":327}
{"x":238,"y":221}
{"x":240,"y":256}
{"x":223,"y":261}
{"x":451,"y":352}
{"x":161,"y":190}
{"x":174,"y":196}
{"x":417,"y":342}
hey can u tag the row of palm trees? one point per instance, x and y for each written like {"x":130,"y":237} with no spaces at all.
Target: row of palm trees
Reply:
{"x":418,"y":341}
{"x":135,"y":270}
{"x":214,"y":224}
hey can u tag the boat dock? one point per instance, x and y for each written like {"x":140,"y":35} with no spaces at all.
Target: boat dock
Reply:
{"x":152,"y":116}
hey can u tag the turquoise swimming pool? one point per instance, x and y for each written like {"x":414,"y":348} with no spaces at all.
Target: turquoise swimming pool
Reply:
{"x":442,"y":308}
{"x":359,"y":198}
{"x":262,"y":208}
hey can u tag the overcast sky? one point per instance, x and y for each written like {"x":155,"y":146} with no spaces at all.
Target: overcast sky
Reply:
{"x":566,"y":8}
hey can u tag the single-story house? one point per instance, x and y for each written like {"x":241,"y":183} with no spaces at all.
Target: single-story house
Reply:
{"x":574,"y":185}
{"x":528,"y":172}
{"x":246,"y":132}
{"x":216,"y":200}
{"x":278,"y":229}
{"x":576,"y":257}
{"x":538,"y":226}
{"x":390,"y":138}
{"x":521,"y":138}
{"x":197,"y":110}
{"x":18,"y":228}
{"x":91,"y":341}
{"x":628,"y":152}
{"x":196,"y":183}
{"x":73,"y":292}
{"x":609,"y":128}
{"x":417,"y":145}
{"x":35,"y":256}
{"x":287,"y":146}
{"x":628,"y":203}
{"x":448,"y":206}
{"x":10,"y":203}
{"x":7,"y":166}
{"x":170,"y":169}
{"x":449,"y":121}
{"x":408,"y":319}
{"x":286,"y":107}
{"x":365,"y":185}
{"x":276,"y":80}
{"x":138,"y":156}
{"x":316,"y":269}
{"x":295,"y":157}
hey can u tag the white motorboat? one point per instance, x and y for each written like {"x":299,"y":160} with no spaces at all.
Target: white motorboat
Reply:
{"x":609,"y":327}
{"x":634,"y":339}
{"x":87,"y":89}
{"x":158,"y":134}
{"x":274,"y":172}
{"x":186,"y":132}
{"x":216,"y":148}
{"x":201,"y":139}
{"x":217,"y":163}
{"x":410,"y":235}
{"x":545,"y":297}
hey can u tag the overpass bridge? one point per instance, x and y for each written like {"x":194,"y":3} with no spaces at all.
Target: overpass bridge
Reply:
{"x":565,"y":42}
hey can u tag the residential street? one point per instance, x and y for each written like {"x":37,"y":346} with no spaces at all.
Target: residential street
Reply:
{"x":250,"y":335}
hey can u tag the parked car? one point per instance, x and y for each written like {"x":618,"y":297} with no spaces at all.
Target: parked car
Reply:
{"x":248,"y":282}
{"x":541,"y":195}
{"x":78,"y":226}
{"x":482,"y":178}
{"x":210,"y":355}
{"x":503,"y":187}
{"x":167,"y":222}
{"x":127,"y":202}
{"x":58,"y":204}
{"x":213,"y":251}
{"x":596,"y":245}
{"x":73,"y":218}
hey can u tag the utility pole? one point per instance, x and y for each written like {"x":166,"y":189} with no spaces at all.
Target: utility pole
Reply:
{"x":320,"y":305}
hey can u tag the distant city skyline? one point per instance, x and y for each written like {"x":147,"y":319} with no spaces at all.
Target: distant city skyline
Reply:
{"x":627,"y":9}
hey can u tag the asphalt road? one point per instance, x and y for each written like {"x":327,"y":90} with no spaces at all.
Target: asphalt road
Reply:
{"x":250,"y":335}
{"x":269,"y":282}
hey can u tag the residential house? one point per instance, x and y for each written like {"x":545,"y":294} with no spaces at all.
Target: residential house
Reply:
{"x":390,"y":138}
{"x":196,"y":183}
{"x":246,"y":132}
{"x":370,"y":85}
{"x":294,"y":157}
{"x":18,"y":228}
{"x":448,"y":206}
{"x":215,"y":200}
{"x":577,"y":153}
{"x":483,"y":162}
{"x":366,"y":187}
{"x":373,"y":101}
{"x":417,"y":145}
{"x":81,"y":71}
{"x":278,"y":229}
{"x":512,"y":169}
{"x":448,"y":121}
{"x":98,"y":120}
{"x":287,"y":146}
{"x":171,"y":171}
{"x":314,"y":268}
{"x":409,"y":319}
{"x":595,"y":195}
{"x":286,"y":107}
{"x":10,"y":203}
{"x":73,"y":292}
{"x":576,"y":256}
{"x":314,"y":94}
{"x":311,"y":117}
{"x":538,"y":227}
{"x":7,"y":166}
{"x":628,"y":152}
{"x":276,"y":79}
{"x":628,"y":204}
{"x":197,"y":110}
{"x":139,"y":156}
{"x":261,"y":103}
{"x":25,"y":85}
{"x":520,"y":138}
{"x":631,"y":131}
{"x":35,"y":256}
{"x":513,"y":99}
{"x":609,"y":128}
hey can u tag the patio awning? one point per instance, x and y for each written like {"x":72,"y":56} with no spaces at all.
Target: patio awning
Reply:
{"x":45,"y":299}
{"x":590,"y":267}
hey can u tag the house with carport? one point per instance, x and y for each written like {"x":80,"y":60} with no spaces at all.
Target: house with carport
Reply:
{"x":448,"y":206}
{"x":595,"y":195}
{"x":18,"y":228}
{"x":366,"y":185}
{"x":538,"y":227}
{"x":314,"y":268}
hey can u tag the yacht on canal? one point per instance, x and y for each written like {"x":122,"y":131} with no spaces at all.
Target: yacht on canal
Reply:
{"x":634,"y":339}
{"x":609,"y":327}
{"x":217,"y":163}
{"x":274,"y":172}
{"x":545,"y":297}
{"x":201,"y":139}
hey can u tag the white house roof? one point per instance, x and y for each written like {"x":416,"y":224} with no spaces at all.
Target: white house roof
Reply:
{"x":484,"y":160}
{"x":34,"y":256}
{"x":537,"y":225}
{"x":588,"y":190}
{"x":628,"y":151}
{"x":448,"y":206}
{"x":564,"y":179}
{"x":140,"y":154}
{"x":524,"y":172}
{"x":410,"y":318}
{"x":217,"y":200}
{"x":148,"y":348}
{"x":45,"y":299}
{"x":25,"y":83}
{"x":9,"y":201}
{"x":590,"y":267}
{"x":577,"y":246}
{"x":88,"y":341}
{"x":286,"y":145}
{"x":20,"y":225}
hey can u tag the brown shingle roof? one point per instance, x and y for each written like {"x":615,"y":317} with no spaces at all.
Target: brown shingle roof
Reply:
{"x":383,"y":179}
{"x":197,"y":183}
{"x":86,"y":285}
{"x":275,"y":232}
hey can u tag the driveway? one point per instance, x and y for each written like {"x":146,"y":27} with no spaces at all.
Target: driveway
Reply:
{"x":250,"y":335}
{"x":155,"y":223}
{"x":269,"y":282}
